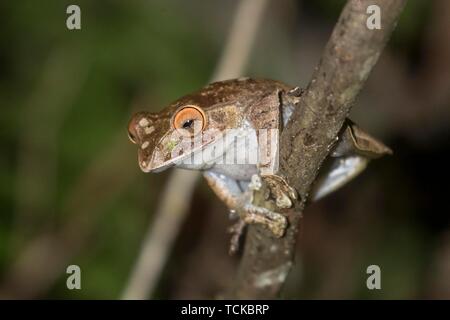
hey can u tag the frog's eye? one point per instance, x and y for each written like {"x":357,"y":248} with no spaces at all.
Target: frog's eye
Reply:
{"x":190,"y":120}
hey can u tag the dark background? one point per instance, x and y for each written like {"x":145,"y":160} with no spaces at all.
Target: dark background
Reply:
{"x":71,"y":191}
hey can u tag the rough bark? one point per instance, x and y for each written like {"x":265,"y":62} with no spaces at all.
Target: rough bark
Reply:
{"x":346,"y":62}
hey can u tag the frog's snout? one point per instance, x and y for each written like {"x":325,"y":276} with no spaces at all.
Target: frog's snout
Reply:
{"x":132,"y":134}
{"x":143,"y":133}
{"x":137,"y":126}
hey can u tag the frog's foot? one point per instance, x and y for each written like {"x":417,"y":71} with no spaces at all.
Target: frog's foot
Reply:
{"x":281,"y":191}
{"x":275,"y":222}
{"x":236,"y":231}
{"x":251,"y":214}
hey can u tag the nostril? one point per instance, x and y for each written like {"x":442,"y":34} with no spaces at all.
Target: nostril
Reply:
{"x":132,"y":132}
{"x":132,"y":137}
{"x":137,"y":127}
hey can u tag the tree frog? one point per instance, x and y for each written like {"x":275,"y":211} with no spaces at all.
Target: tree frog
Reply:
{"x":229,"y":130}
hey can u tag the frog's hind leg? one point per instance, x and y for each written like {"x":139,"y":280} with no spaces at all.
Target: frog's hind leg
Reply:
{"x":339,"y":172}
{"x":354,"y":150}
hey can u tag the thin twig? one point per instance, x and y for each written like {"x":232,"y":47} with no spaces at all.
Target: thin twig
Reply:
{"x":38,"y":140}
{"x":172,"y":209}
{"x":240,"y":40}
{"x":349,"y":56}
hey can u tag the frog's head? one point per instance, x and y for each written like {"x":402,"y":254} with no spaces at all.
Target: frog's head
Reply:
{"x":197,"y":123}
{"x":176,"y":135}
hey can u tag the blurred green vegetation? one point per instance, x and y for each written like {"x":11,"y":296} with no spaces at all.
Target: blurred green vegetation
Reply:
{"x":67,"y":167}
{"x":86,"y":81}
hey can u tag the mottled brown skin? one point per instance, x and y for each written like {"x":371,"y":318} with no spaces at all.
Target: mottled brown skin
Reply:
{"x":233,"y":104}
{"x":213,"y":99}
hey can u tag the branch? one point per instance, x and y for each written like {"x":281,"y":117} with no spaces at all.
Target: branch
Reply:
{"x":346,"y":62}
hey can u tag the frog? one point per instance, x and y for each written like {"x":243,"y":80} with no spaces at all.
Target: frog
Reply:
{"x":244,"y":118}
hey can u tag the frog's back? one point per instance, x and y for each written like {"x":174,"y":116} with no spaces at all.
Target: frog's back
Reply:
{"x":245,"y":85}
{"x":231,"y":91}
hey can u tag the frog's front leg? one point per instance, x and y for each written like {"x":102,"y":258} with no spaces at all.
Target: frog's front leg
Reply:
{"x":227,"y":189}
{"x":238,"y":196}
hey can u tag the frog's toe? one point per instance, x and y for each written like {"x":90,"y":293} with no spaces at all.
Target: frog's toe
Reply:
{"x":283,"y":201}
{"x":281,"y":191}
{"x":274,"y":221}
{"x":236,"y":231}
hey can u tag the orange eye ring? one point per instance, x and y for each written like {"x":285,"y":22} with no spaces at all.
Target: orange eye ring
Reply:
{"x":190,"y":119}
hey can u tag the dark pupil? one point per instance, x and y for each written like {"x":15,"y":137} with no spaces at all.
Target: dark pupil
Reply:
{"x":187,"y":124}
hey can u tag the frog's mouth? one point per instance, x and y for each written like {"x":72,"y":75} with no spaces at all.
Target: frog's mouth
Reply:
{"x":155,"y":169}
{"x":195,"y":159}
{"x":152,"y":165}
{"x":157,"y":164}
{"x":200,"y":154}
